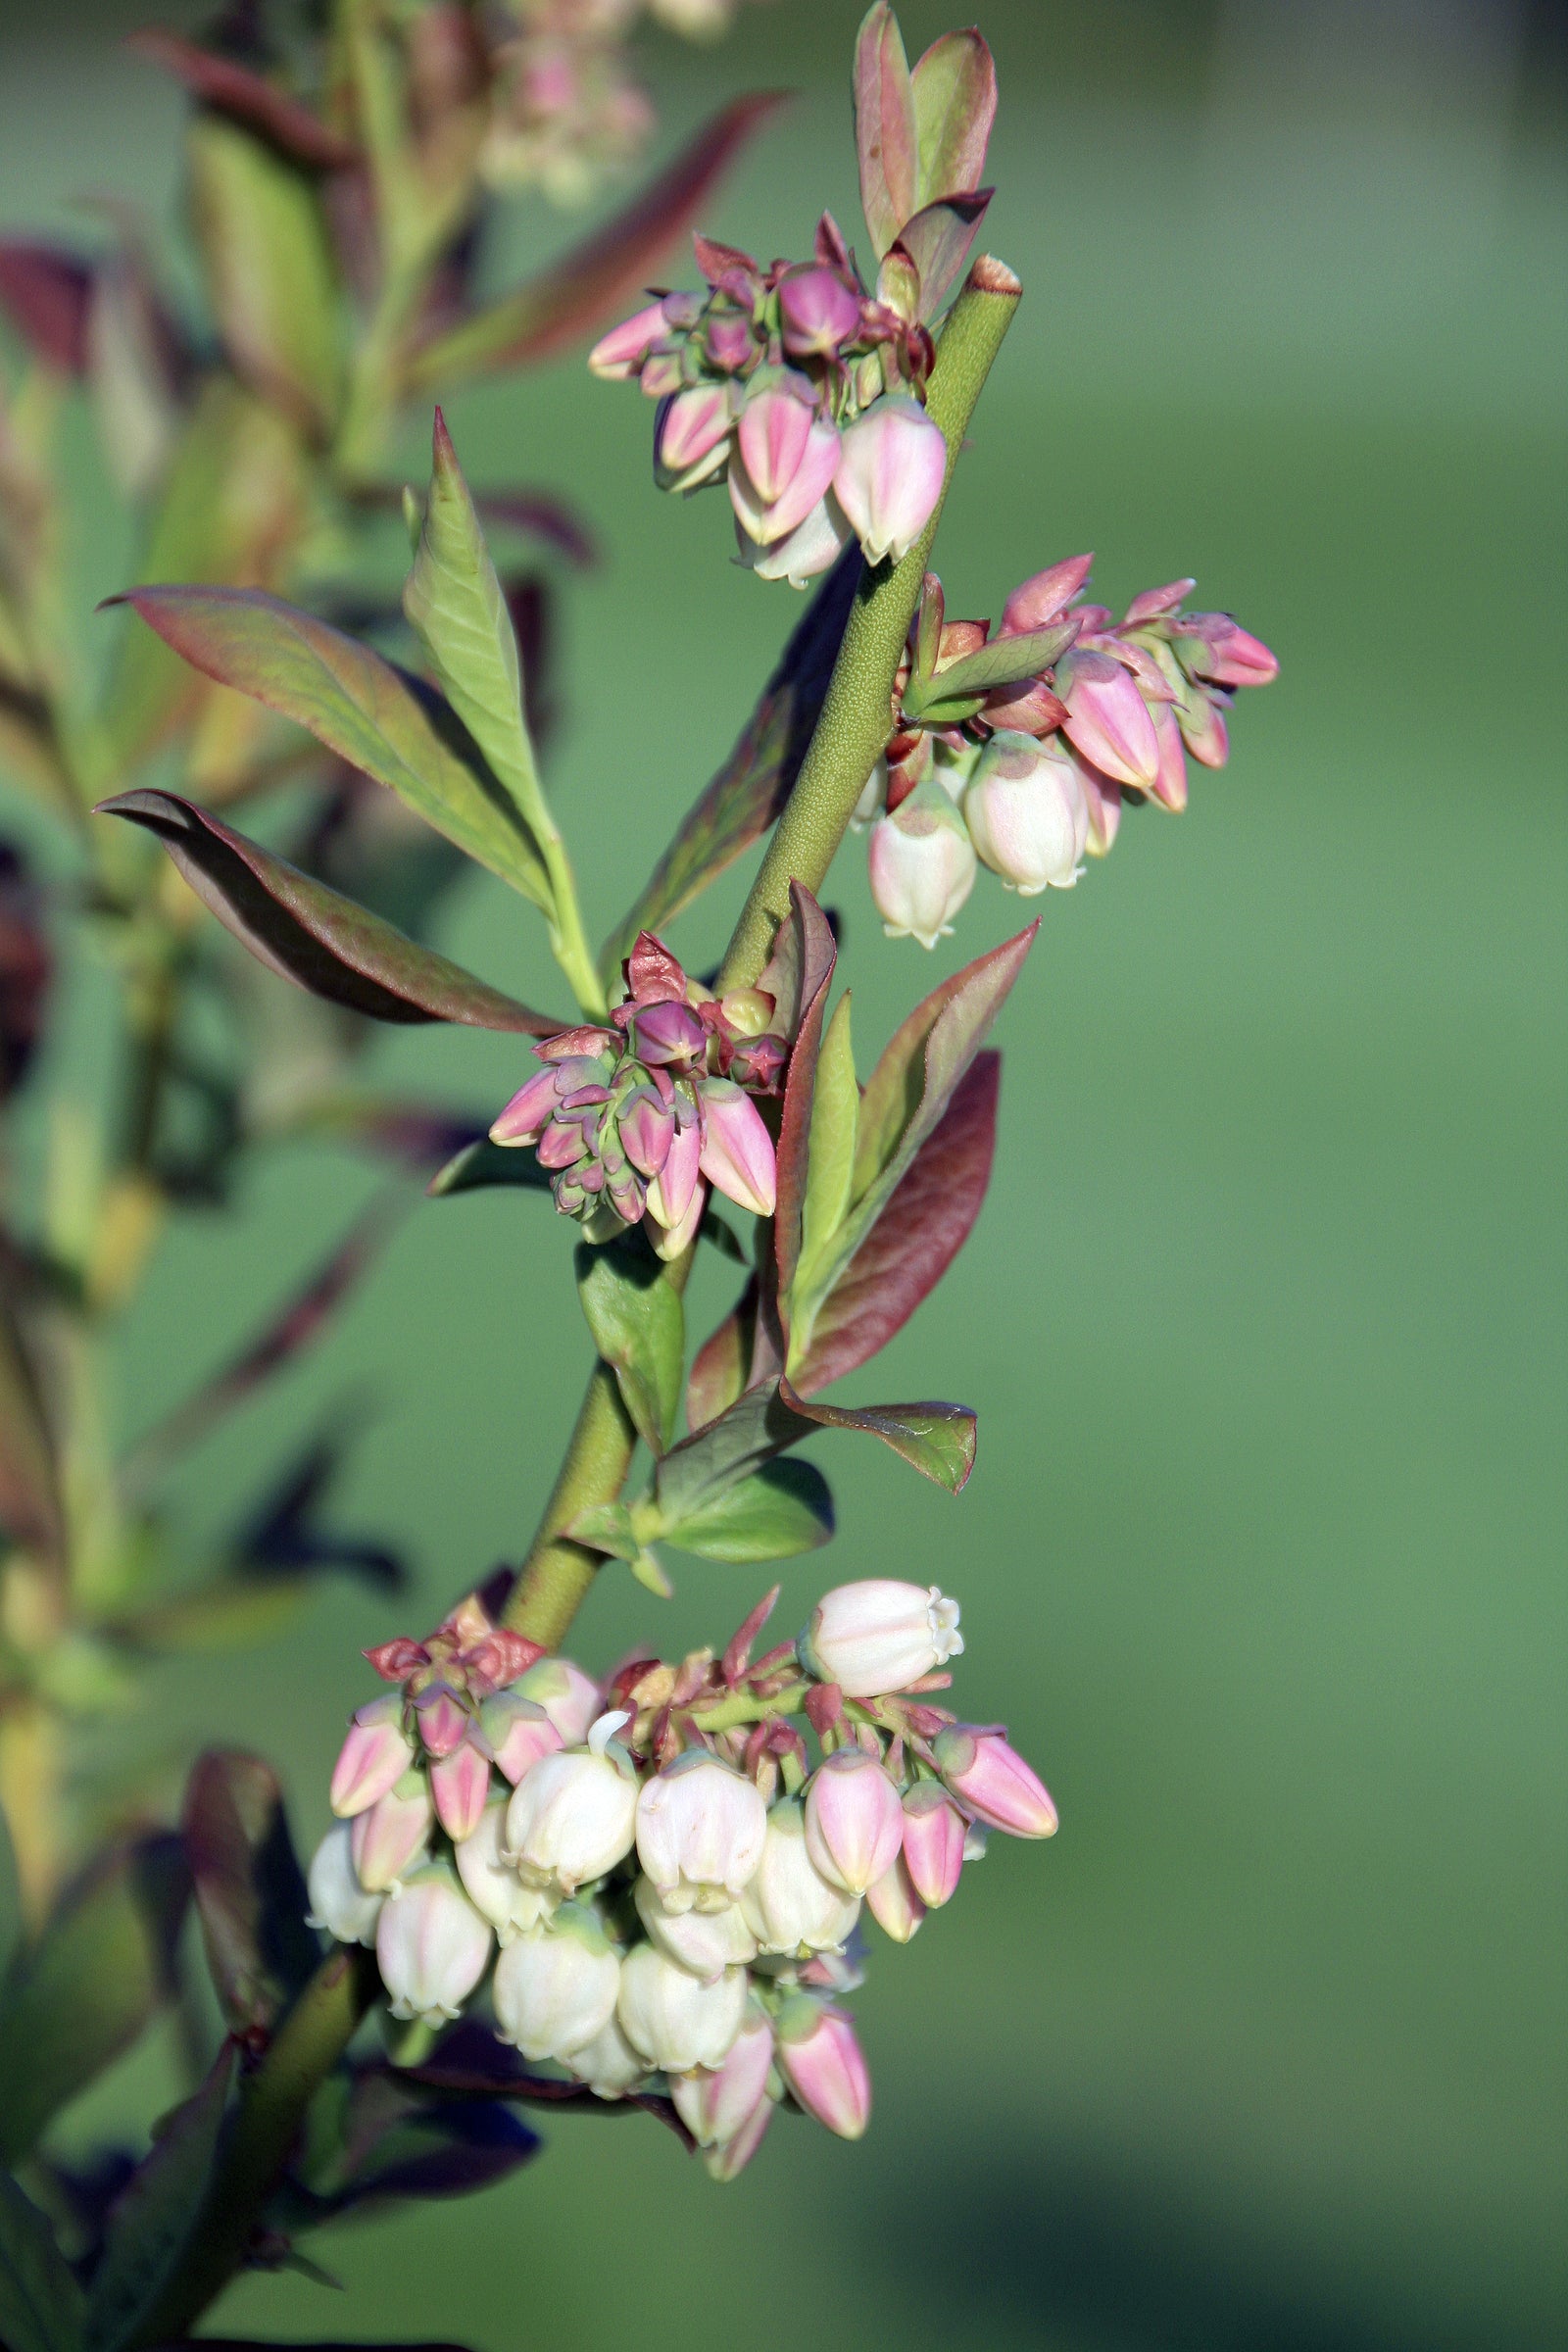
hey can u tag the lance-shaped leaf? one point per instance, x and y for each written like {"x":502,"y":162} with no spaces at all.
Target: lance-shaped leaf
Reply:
{"x":638,"y":1325}
{"x":79,"y":1994}
{"x":361,"y":706}
{"x":830,"y":1160}
{"x":954,"y":92}
{"x":932,"y":699}
{"x":480,"y":1165}
{"x":313,"y":935}
{"x":800,"y":973}
{"x":234,"y":90}
{"x":915,"y":1239}
{"x":269,"y":270}
{"x":469,"y":2062}
{"x":45,"y":292}
{"x":886,"y":135}
{"x":750,"y":789}
{"x":249,"y":1889}
{"x":782,"y":1509}
{"x":388,"y":2137}
{"x":938,"y":1440}
{"x":722,"y":1365}
{"x":938,"y":240}
{"x":41,"y":2306}
{"x":284,"y":1541}
{"x":570,"y":298}
{"x":157,"y":2214}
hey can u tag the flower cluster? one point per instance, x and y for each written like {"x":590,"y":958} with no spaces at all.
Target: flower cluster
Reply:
{"x":1025,"y":771}
{"x":662,"y":1893}
{"x":637,"y":1120}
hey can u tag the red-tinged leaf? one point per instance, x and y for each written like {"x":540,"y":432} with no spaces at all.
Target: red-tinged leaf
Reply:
{"x":937,"y":1439}
{"x":937,"y":241}
{"x":722,"y":1364}
{"x":738,"y":1649}
{"x":394,"y":1661}
{"x":750,"y":789}
{"x":814,"y":956}
{"x":576,"y":293}
{"x":311,"y":934}
{"x":234,"y":90}
{"x":249,"y":1889}
{"x":46,"y":293}
{"x":156,"y":2213}
{"x":29,"y":1494}
{"x":469,"y":2062}
{"x":954,"y":92}
{"x":361,"y":706}
{"x":914,"y":1241}
{"x":886,"y":136}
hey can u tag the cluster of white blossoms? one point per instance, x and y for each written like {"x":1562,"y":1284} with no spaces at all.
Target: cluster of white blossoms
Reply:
{"x":652,"y":1888}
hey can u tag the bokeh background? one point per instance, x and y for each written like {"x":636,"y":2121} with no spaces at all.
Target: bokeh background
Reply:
{"x":1264,"y":1319}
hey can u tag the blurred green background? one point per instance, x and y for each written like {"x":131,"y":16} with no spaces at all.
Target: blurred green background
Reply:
{"x":1265,"y":1317}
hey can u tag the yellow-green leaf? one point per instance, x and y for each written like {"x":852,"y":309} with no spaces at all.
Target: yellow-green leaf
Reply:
{"x":835,"y":1112}
{"x":269,"y":269}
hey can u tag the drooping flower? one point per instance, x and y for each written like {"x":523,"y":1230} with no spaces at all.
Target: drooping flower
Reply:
{"x":573,"y":1816}
{"x":790,"y":1907}
{"x":677,"y":2019}
{"x":715,"y":2103}
{"x":879,"y":1634}
{"x":700,"y":1831}
{"x":824,"y":2066}
{"x":432,"y":1947}
{"x":556,"y":1985}
{"x":921,"y":864}
{"x":339,"y":1903}
{"x":854,"y":1820}
{"x":1027,"y":813}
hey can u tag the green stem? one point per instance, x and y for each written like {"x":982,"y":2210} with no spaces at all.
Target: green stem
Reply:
{"x":556,"y":1574}
{"x":727,"y":1714}
{"x":857,"y":716}
{"x":568,"y":938}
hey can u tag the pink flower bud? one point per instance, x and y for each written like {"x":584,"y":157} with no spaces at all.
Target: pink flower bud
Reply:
{"x":432,"y":1947}
{"x":890,"y":475}
{"x":797,"y":453}
{"x":737,"y":1150}
{"x":524,"y":1117}
{"x":1027,"y":815}
{"x":921,"y":866}
{"x":621,"y":352}
{"x":373,"y":1758}
{"x":441,"y":1718}
{"x":1101,"y":798}
{"x":569,"y":1697}
{"x":700,"y":1831}
{"x":705,"y":1942}
{"x":894,"y":1904}
{"x":394,"y":1835}
{"x":728,"y":341}
{"x":1154,"y":602}
{"x":728,"y":2158}
{"x":668,"y":1033}
{"x":879,"y":1634}
{"x":1042,"y":598}
{"x":814,"y":547}
{"x":338,"y":1902}
{"x":1170,"y":784}
{"x":854,"y":1820}
{"x":459,"y":1783}
{"x":789,"y":1906}
{"x":818,"y":310}
{"x":823,"y":2065}
{"x":934,"y":1831}
{"x":691,"y":438}
{"x":715,"y":2103}
{"x":555,"y":1987}
{"x":1212,"y":646}
{"x":992,"y":1779}
{"x":1107,"y":718}
{"x":672,"y":1192}
{"x":518,"y":1732}
{"x":571,"y":1818}
{"x":491,"y":1883}
{"x":677,"y":2019}
{"x":1203,"y":729}
{"x":775,"y":428}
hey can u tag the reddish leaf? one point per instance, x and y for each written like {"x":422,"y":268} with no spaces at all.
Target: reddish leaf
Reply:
{"x":45,"y":292}
{"x":284,"y":1538}
{"x":954,"y":92}
{"x":937,"y":1439}
{"x":221,"y":82}
{"x":156,"y":2214}
{"x":469,"y":2062}
{"x":812,"y":959}
{"x":885,"y":132}
{"x":913,"y":1083}
{"x":722,"y":1364}
{"x":937,"y":241}
{"x":543,"y":515}
{"x":249,"y":1889}
{"x":570,"y":298}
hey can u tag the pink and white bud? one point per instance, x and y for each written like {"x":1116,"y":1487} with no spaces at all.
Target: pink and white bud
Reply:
{"x":818,"y":311}
{"x":854,"y":1820}
{"x":789,"y":1906}
{"x":700,"y":1831}
{"x":1102,"y":800}
{"x":1212,"y":646}
{"x":691,"y":437}
{"x":786,"y":457}
{"x":705,"y":1942}
{"x":492,"y":1885}
{"x":1043,"y":597}
{"x":393,"y":1836}
{"x":338,"y":1902}
{"x":518,"y":1732}
{"x":729,"y":341}
{"x":569,"y":1697}
{"x":573,"y":1818}
{"x":373,"y":1758}
{"x":921,"y":866}
{"x":890,"y":475}
{"x":524,"y":1119}
{"x":555,"y":1987}
{"x":715,"y":2103}
{"x":673,"y":1191}
{"x":608,"y":2063}
{"x":775,"y":428}
{"x":894,"y":1904}
{"x":677,"y":2019}
{"x":814,"y":547}
{"x":1027,"y":815}
{"x":879,"y":1634}
{"x":668,"y":1034}
{"x":1170,"y":787}
{"x":431,"y":1947}
{"x":459,"y":1784}
{"x":729,"y":2159}
{"x":992,"y":1779}
{"x":824,"y":2066}
{"x":647,"y":1131}
{"x":441,"y":1718}
{"x":1107,"y":718}
{"x":620,"y":354}
{"x":934,"y":1833}
{"x":737,"y":1151}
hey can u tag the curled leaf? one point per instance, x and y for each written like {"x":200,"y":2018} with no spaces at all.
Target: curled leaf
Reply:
{"x":249,"y":1889}
{"x":234,"y":90}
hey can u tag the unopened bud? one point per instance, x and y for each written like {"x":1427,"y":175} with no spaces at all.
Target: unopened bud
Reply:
{"x":879,"y":1634}
{"x":1107,"y":718}
{"x":518,"y":1732}
{"x":390,"y":1838}
{"x":814,"y":547}
{"x":854,"y":1820}
{"x":729,"y":2159}
{"x":934,"y":1831}
{"x":737,"y":1153}
{"x":691,"y":438}
{"x":620,"y":354}
{"x":818,"y":310}
{"x":992,"y":1779}
{"x":894,"y":1904}
{"x":459,"y":1783}
{"x":568,"y":1697}
{"x":715,"y":2102}
{"x":338,"y":1902}
{"x":373,"y":1758}
{"x":824,"y":2066}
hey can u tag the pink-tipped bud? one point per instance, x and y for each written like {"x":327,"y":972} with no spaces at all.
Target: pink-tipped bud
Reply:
{"x":393,"y":1836}
{"x":1212,"y":646}
{"x":774,"y":427}
{"x":879,"y":1634}
{"x":993,"y":1781}
{"x":715,"y":2103}
{"x":786,"y":457}
{"x":647,"y":1131}
{"x":1170,"y":784}
{"x":1154,"y":602}
{"x":1043,"y":597}
{"x":620,"y":354}
{"x":524,"y":1116}
{"x":432,"y":1947}
{"x":824,"y":2066}
{"x":729,"y":2159}
{"x":1107,"y":718}
{"x":518,"y":1732}
{"x":668,"y":1034}
{"x":894,"y":1904}
{"x":459,"y":1783}
{"x":691,"y":439}
{"x":1027,"y":815}
{"x":728,"y":341}
{"x":890,"y":475}
{"x":921,"y":866}
{"x":699,"y":1832}
{"x":569,"y":1697}
{"x":818,"y":310}
{"x":854,"y":1820}
{"x":814,"y":547}
{"x":934,"y":1831}
{"x":672,"y":1192}
{"x":373,"y":1758}
{"x":737,"y":1150}
{"x":441,"y":1718}
{"x":338,"y":1902}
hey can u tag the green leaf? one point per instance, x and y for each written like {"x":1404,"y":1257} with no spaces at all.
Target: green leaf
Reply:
{"x":937,"y":1439}
{"x":781,"y":1509}
{"x":81,"y":1994}
{"x":221,"y":82}
{"x":361,"y":706}
{"x":312,"y":934}
{"x":249,"y":1889}
{"x":157,"y":2214}
{"x":1004,"y":661}
{"x":797,"y":976}
{"x":269,"y":270}
{"x":835,"y":1112}
{"x":954,"y":92}
{"x":41,"y":2306}
{"x":30,"y":1498}
{"x":480,"y":1165}
{"x":639,"y":1327}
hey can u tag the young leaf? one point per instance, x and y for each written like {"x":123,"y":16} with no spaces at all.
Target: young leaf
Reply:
{"x":481,"y":1164}
{"x":232,"y":89}
{"x":937,"y":241}
{"x":722,"y":1364}
{"x":750,"y":789}
{"x":781,"y":1509}
{"x":311,"y":934}
{"x":570,"y":298}
{"x":937,"y":1439}
{"x":156,"y":2213}
{"x":29,"y":1495}
{"x":954,"y":92}
{"x":797,"y":977}
{"x":886,"y":135}
{"x":249,"y":1889}
{"x":361,"y":706}
{"x":269,"y":270}
{"x":1006,"y":661}
{"x":44,"y":293}
{"x":835,"y":1110}
{"x":41,"y":2306}
{"x":639,"y":1327}
{"x":82,"y":1992}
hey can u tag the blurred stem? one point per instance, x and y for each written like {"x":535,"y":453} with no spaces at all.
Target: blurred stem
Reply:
{"x":857,"y":716}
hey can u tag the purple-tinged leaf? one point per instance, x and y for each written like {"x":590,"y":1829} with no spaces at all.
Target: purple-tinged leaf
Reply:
{"x":284,"y":1541}
{"x":937,"y":241}
{"x":813,"y":957}
{"x":886,"y":135}
{"x":541,"y":514}
{"x":394,"y":2140}
{"x":234,"y":90}
{"x":360,"y":706}
{"x":156,"y":2213}
{"x":46,"y":293}
{"x":914,"y":1241}
{"x":249,"y":1889}
{"x":469,"y":2062}
{"x":576,"y":293}
{"x":954,"y":92}
{"x":722,"y":1364}
{"x":481,"y":1164}
{"x":311,"y":934}
{"x":937,"y":1439}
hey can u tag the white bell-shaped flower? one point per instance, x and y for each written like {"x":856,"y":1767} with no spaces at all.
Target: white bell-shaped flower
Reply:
{"x":492,"y":1884}
{"x":677,"y":2019}
{"x":704,"y":1941}
{"x":700,"y":1831}
{"x":555,"y":1986}
{"x":338,"y":1901}
{"x":573,"y":1816}
{"x":432,"y":1947}
{"x":789,"y":1906}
